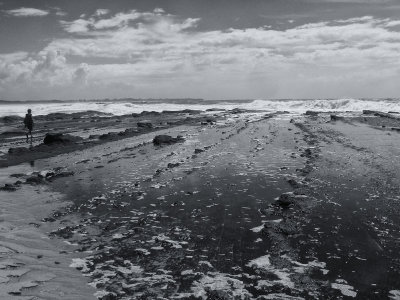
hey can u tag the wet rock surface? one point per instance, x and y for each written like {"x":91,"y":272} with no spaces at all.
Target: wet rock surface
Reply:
{"x":268,"y":209}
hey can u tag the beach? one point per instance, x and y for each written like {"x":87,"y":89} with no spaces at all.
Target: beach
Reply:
{"x":229,"y":203}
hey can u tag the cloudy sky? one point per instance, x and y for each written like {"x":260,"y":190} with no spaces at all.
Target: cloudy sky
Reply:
{"x":212,"y":49}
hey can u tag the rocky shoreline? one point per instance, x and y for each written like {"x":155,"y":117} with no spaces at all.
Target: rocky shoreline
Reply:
{"x":223,"y":204}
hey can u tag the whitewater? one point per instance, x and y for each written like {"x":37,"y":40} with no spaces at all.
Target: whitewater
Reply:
{"x":127,"y":107}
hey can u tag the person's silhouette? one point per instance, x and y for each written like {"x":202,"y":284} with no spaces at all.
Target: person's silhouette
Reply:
{"x":28,"y":121}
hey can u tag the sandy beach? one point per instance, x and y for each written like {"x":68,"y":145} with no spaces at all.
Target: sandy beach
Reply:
{"x":246,"y":205}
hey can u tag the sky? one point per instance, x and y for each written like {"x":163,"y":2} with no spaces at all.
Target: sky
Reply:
{"x":211,"y":49}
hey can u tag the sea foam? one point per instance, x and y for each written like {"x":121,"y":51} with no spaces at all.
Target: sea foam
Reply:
{"x":122,"y":107}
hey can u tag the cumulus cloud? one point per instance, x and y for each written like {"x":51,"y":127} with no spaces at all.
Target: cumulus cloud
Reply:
{"x":133,"y":52}
{"x":28,"y":12}
{"x":26,"y":75}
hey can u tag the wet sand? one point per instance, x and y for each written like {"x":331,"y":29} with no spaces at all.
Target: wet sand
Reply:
{"x":249,"y":206}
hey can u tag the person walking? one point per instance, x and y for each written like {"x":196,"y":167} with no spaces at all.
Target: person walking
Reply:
{"x":28,"y":121}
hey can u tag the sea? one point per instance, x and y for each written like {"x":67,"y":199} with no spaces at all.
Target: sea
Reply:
{"x":127,"y":106}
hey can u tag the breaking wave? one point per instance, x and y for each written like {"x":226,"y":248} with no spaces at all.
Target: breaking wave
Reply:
{"x":385,"y":105}
{"x":126,"y":107}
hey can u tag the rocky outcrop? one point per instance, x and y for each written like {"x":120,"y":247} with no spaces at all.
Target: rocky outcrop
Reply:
{"x":60,"y":138}
{"x":11,"y":119}
{"x":167,"y":139}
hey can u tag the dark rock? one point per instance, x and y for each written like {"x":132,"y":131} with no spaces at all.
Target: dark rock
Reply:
{"x":167,"y":139}
{"x":368,"y":112}
{"x":286,"y":199}
{"x":60,"y":138}
{"x":66,"y":232}
{"x":150,"y":113}
{"x":311,"y":113}
{"x":237,"y":111}
{"x":184,"y":111}
{"x":307,"y":153}
{"x":60,"y":175}
{"x":145,"y":124}
{"x":293,"y":183}
{"x":50,"y":174}
{"x":17,"y":175}
{"x":18,"y":150}
{"x":48,"y":219}
{"x":130,"y":130}
{"x":173,"y":165}
{"x":146,"y":113}
{"x":336,"y":118}
{"x":34,"y":179}
{"x":109,"y":135}
{"x":211,"y":119}
{"x":288,"y":228}
{"x":8,"y":187}
{"x":198,"y":150}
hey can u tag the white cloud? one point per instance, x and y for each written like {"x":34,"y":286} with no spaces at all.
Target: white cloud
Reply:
{"x":59,"y":12}
{"x":77,"y":26}
{"x":393,"y":23}
{"x":101,"y":12}
{"x":83,"y":25}
{"x":133,"y":52}
{"x":159,"y":10}
{"x":27,"y":12}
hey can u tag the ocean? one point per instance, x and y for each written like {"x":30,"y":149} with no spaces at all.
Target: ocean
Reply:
{"x":121,"y":107}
